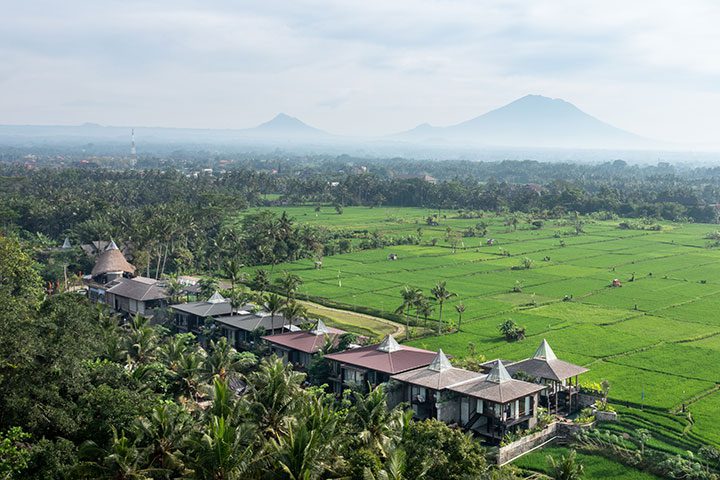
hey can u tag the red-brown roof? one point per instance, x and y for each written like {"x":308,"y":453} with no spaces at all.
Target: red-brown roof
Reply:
{"x":304,"y":341}
{"x":396,"y":361}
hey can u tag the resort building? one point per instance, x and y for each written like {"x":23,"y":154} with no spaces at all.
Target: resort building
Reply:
{"x":560,"y":377}
{"x":110,"y":265}
{"x":496,"y":403}
{"x":243,"y":328}
{"x":299,"y":347}
{"x":139,"y":295}
{"x":361,"y":367}
{"x":489,"y":404}
{"x":426,"y":389}
{"x":191,"y":317}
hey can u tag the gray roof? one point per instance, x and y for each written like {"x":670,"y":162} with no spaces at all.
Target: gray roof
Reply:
{"x":139,"y":288}
{"x":205,"y":309}
{"x":545,"y":364}
{"x":557,"y":370}
{"x":498,"y":392}
{"x":439,"y":375}
{"x":252,"y":321}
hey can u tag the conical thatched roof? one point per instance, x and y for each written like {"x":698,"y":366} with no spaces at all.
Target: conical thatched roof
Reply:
{"x":111,"y":260}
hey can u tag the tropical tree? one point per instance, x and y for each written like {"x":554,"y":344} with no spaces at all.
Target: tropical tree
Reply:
{"x":275,"y":391}
{"x":372,"y":423}
{"x":208,"y":286}
{"x":293,"y":311}
{"x":511,"y":330}
{"x":409,"y":300}
{"x":567,"y":467}
{"x":307,"y":451}
{"x":426,"y":309}
{"x":164,"y":433}
{"x":121,"y":461}
{"x":261,"y":280}
{"x":289,"y":283}
{"x":233,"y":271}
{"x":141,"y":342}
{"x":460,"y":309}
{"x":273,"y":304}
{"x":441,"y":294}
{"x":221,"y":451}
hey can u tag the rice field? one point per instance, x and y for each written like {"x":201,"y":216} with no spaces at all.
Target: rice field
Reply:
{"x":656,"y":338}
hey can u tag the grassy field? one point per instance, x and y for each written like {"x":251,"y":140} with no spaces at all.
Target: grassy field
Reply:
{"x":656,"y":339}
{"x":595,"y":466}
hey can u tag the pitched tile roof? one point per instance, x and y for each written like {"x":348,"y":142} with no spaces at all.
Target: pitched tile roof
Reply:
{"x":439,"y":375}
{"x":497,"y":386}
{"x":387,"y":357}
{"x":139,"y":288}
{"x":306,"y":341}
{"x":545,"y":364}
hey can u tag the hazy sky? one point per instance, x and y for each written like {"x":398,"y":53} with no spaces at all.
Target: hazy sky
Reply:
{"x":366,"y":67}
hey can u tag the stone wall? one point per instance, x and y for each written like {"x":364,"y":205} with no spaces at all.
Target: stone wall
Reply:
{"x":555,"y":432}
{"x":587,"y":400}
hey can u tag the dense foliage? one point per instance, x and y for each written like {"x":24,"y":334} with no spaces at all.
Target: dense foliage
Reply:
{"x":84,"y":396}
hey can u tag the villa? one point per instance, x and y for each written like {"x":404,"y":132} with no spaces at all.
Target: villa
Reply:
{"x":374,"y":364}
{"x":299,"y":347}
{"x":560,"y":377}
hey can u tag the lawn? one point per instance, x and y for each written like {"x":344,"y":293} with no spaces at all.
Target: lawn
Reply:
{"x":656,"y":338}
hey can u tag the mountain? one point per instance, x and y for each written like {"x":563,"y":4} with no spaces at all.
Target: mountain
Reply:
{"x":284,"y":126}
{"x":531,"y":121}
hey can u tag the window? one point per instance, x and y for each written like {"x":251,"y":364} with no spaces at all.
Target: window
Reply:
{"x":419,"y":394}
{"x":480,"y":406}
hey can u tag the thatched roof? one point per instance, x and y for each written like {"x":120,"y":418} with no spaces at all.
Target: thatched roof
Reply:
{"x":111,"y":260}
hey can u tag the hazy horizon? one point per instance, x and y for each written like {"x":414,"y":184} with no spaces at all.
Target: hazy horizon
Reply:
{"x":367,"y":69}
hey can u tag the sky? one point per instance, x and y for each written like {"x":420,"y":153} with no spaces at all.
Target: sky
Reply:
{"x":369,"y":67}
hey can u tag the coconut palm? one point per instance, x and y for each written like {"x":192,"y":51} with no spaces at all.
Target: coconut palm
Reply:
{"x":275,"y":390}
{"x":460,"y":309}
{"x":307,"y":451}
{"x":233,"y":271}
{"x":121,"y":461}
{"x":426,"y":309}
{"x":567,"y":467}
{"x":441,"y":294}
{"x":409,"y":300}
{"x":293,"y":311}
{"x":221,"y":360}
{"x":164,"y":431}
{"x":141,"y":341}
{"x":221,"y":451}
{"x":373,"y":424}
{"x":289,"y":283}
{"x":273,"y":304}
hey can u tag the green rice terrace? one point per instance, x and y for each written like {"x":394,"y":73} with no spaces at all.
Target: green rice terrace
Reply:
{"x":656,"y":338}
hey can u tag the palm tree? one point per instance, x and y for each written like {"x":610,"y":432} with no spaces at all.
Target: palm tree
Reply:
{"x":426,"y":309}
{"x":566,"y":468}
{"x":275,"y":391}
{"x":261,"y":280}
{"x":460,"y":309}
{"x":307,"y":451}
{"x":273,"y":304}
{"x":372,"y":423}
{"x":164,"y":432}
{"x":289,"y":282}
{"x":233,"y":270}
{"x":141,"y":341}
{"x":222,"y":360}
{"x":221,"y":451}
{"x":394,"y":468}
{"x":292,"y":311}
{"x":208,"y":286}
{"x":441,"y":294}
{"x":409,"y":299}
{"x":121,"y":461}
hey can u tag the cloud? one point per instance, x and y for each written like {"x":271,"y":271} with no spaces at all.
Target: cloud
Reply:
{"x":367,"y":67}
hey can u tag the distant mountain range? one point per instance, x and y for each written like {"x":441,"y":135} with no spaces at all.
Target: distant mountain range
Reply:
{"x":531,"y":121}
